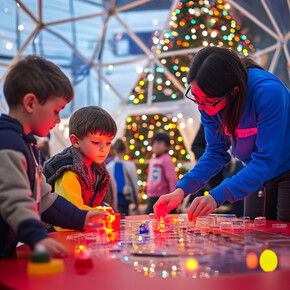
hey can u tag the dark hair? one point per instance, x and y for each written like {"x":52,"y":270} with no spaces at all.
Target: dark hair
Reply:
{"x":91,"y":119}
{"x":120,"y":146}
{"x":217,"y":71}
{"x":36,"y":75}
{"x":161,"y":137}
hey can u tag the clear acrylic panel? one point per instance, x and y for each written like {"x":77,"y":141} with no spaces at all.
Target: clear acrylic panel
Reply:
{"x":66,"y":9}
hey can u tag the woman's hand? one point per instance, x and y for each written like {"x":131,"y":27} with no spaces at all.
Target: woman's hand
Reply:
{"x":202,"y":205}
{"x":167,"y":202}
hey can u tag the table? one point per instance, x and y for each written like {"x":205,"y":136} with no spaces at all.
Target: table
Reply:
{"x":112,"y":274}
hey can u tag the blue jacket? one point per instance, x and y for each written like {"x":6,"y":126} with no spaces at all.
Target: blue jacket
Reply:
{"x":263,"y":143}
{"x":19,"y":221}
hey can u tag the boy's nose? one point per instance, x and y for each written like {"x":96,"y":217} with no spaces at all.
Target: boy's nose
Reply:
{"x":102,"y":146}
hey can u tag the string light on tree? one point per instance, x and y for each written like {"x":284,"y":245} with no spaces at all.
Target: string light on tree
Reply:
{"x":193,"y":24}
{"x":140,"y":150}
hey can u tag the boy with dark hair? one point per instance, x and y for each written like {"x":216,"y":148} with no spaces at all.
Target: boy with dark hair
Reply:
{"x":36,"y":91}
{"x":79,"y":173}
{"x":162,"y":177}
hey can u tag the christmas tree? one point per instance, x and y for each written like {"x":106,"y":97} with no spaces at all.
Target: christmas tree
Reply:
{"x":139,"y":132}
{"x":193,"y":24}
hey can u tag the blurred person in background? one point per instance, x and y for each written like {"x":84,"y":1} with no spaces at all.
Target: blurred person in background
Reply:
{"x":162,"y":177}
{"x":125,"y":175}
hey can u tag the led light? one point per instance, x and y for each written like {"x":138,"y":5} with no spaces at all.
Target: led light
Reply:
{"x":191,"y":266}
{"x":268,"y":261}
{"x":252,"y":260}
{"x":9,"y":45}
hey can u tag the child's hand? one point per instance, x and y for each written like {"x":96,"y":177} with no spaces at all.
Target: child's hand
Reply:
{"x":54,"y":247}
{"x":202,"y":205}
{"x":167,"y":202}
{"x":95,"y":218}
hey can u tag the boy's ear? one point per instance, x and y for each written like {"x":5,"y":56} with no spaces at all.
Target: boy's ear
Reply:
{"x":29,"y":101}
{"x":74,"y":141}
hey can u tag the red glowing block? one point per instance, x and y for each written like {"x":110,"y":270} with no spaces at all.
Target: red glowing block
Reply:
{"x":111,"y":224}
{"x":83,"y":260}
{"x":112,"y":220}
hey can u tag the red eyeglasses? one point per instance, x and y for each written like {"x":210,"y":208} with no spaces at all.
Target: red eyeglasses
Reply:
{"x":191,"y":96}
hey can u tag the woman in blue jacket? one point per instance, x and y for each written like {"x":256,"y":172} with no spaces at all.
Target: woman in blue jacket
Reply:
{"x":246,"y":108}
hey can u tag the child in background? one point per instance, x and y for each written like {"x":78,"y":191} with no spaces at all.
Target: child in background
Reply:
{"x":111,"y":195}
{"x":162,"y":177}
{"x":125,"y":175}
{"x":36,"y":90}
{"x":79,"y":173}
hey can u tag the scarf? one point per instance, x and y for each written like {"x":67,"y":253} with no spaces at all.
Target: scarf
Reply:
{"x":93,"y":191}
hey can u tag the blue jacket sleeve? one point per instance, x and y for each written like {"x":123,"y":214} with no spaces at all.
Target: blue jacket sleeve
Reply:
{"x":214,"y":158}
{"x":31,"y":231}
{"x":64,"y":214}
{"x":271,"y":104}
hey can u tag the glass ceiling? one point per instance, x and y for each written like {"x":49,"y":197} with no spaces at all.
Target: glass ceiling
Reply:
{"x":90,"y":49}
{"x":104,"y":46}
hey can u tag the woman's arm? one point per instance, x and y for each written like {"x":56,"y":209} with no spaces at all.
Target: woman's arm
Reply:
{"x":272,"y":107}
{"x":214,"y":158}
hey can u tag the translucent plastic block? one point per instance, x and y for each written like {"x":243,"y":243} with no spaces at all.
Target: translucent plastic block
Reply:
{"x":260,"y":221}
{"x":225,"y":218}
{"x":279,"y":226}
{"x":202,"y":222}
{"x":182,"y":217}
{"x":89,"y":238}
{"x":238,"y":225}
{"x":246,"y":219}
{"x":226,"y":226}
{"x":211,"y":220}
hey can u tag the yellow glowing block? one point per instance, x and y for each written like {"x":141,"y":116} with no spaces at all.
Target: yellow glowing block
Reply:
{"x":52,"y":267}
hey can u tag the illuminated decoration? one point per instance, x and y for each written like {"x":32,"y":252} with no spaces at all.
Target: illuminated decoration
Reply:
{"x":191,"y":266}
{"x":160,"y":226}
{"x":268,"y":261}
{"x":83,"y":259}
{"x":109,"y":225}
{"x":252,"y":260}
{"x":112,"y":222}
{"x":140,"y":130}
{"x":193,"y":24}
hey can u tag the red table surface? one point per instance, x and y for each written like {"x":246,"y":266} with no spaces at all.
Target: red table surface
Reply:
{"x":113,"y":274}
